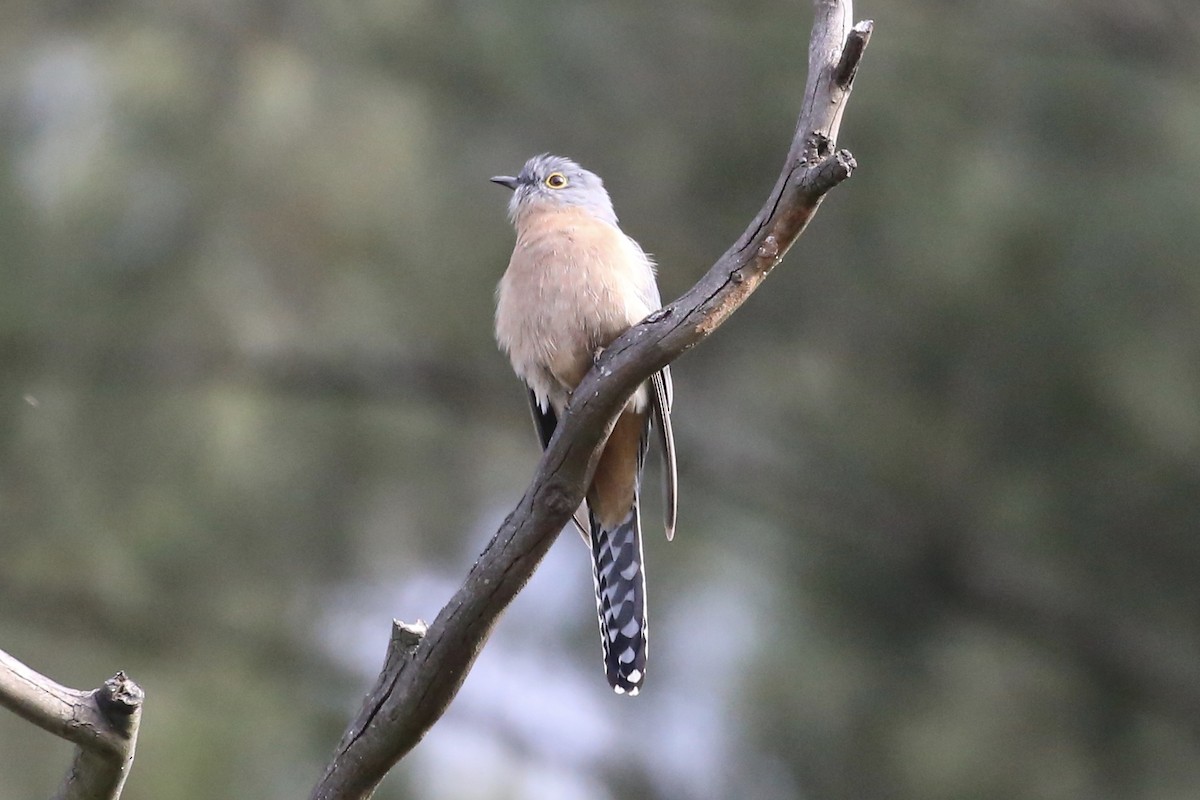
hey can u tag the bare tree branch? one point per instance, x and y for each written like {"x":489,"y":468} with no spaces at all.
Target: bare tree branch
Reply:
{"x":422,"y":674}
{"x":103,"y":723}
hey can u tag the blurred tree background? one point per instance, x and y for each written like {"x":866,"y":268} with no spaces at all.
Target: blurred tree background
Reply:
{"x":939,"y":525}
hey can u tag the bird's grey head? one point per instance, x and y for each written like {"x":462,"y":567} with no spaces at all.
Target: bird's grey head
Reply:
{"x":548,"y":181}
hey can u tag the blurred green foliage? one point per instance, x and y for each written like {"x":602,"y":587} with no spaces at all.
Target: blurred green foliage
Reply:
{"x":939,"y":526}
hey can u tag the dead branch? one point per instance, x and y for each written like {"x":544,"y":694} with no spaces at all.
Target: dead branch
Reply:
{"x":102,"y":723}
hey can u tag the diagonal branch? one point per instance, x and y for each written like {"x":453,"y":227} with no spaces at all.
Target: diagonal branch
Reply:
{"x":103,"y":723}
{"x":422,"y":674}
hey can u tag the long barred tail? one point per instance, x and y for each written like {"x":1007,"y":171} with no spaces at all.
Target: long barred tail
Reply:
{"x":621,"y":601}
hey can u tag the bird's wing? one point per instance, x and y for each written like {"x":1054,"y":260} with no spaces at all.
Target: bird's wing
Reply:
{"x":544,"y":422}
{"x":661,"y":397}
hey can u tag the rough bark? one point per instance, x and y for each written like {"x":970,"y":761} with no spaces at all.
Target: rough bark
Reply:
{"x":102,"y":723}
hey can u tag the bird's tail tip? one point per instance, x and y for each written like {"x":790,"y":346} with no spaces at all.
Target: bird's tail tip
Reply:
{"x":621,"y":602}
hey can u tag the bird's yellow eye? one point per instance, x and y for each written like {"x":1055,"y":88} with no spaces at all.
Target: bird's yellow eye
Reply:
{"x":556,"y":180}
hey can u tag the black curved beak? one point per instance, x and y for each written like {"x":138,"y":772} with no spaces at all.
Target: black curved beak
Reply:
{"x":505,"y":180}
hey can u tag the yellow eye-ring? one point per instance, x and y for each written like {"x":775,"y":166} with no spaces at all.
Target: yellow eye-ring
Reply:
{"x":556,"y":180}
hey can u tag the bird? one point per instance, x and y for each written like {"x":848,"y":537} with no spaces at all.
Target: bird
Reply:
{"x":574,"y":283}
